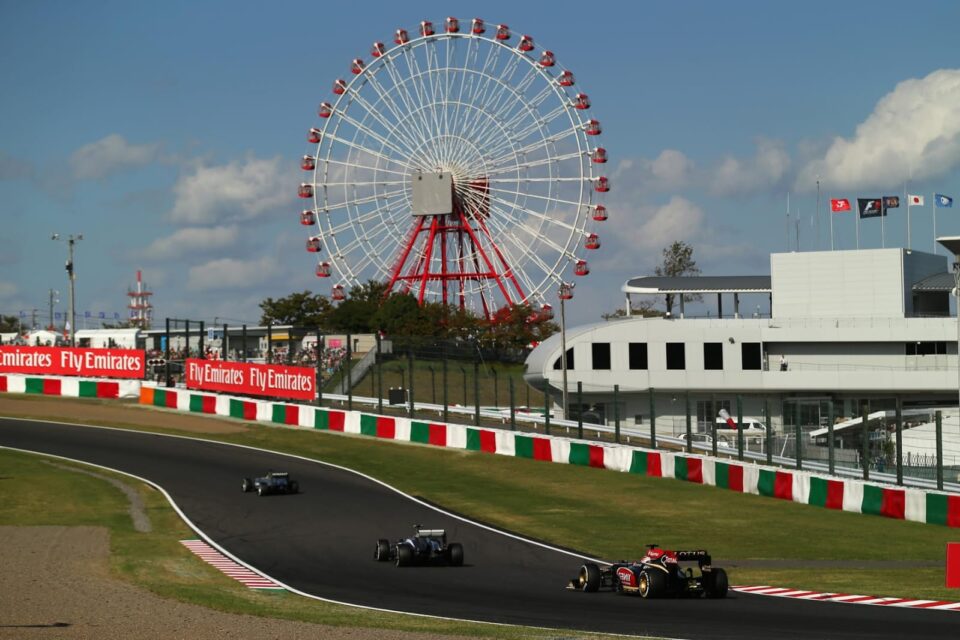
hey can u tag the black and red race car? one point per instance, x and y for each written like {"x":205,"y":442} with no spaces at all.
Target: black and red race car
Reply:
{"x":658,"y":574}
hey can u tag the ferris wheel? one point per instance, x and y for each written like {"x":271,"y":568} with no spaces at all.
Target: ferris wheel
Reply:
{"x":458,"y":164}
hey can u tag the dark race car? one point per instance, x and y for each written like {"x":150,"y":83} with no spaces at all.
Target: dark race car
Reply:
{"x":658,"y":574}
{"x":273,"y":482}
{"x":427,"y":546}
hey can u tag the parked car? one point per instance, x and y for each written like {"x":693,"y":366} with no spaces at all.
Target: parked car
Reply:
{"x":426,"y":546}
{"x":273,"y":482}
{"x":658,"y":574}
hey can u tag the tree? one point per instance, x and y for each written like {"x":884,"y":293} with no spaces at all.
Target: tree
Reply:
{"x":678,"y":261}
{"x":298,"y":309}
{"x":644,"y":309}
{"x":355,"y":314}
{"x":9,"y":324}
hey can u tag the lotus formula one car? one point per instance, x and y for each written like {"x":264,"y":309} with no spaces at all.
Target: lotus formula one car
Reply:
{"x":658,"y":574}
{"x":427,"y":546}
{"x":273,"y":482}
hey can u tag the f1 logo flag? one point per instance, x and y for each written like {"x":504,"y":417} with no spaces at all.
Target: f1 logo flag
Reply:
{"x":870,"y":207}
{"x":839,"y":204}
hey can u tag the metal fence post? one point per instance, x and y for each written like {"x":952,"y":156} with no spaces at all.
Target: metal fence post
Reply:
{"x":653,"y":421}
{"x":513,"y":410}
{"x":798,"y":454}
{"x":769,"y":435}
{"x":321,"y":347}
{"x":865,"y":447}
{"x":379,"y":373}
{"x":496,"y":388}
{"x":349,"y":373}
{"x":243,"y":346}
{"x":739,"y":427}
{"x":433,"y":384}
{"x":201,"y":352}
{"x":546,"y":412}
{"x":167,"y":379}
{"x":186,"y":332}
{"x":224,"y":343}
{"x":939,"y":451}
{"x":831,"y":454}
{"x":712,"y":424}
{"x":410,"y":367}
{"x":446,"y":401}
{"x":899,"y":440}
{"x":269,"y":343}
{"x":476,"y":391}
{"x":686,"y":401}
{"x":580,"y":409}
{"x":616,"y":413}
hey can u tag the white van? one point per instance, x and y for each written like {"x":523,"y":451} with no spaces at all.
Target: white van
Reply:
{"x":748,"y":424}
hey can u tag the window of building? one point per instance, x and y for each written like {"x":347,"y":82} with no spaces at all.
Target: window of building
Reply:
{"x":601,"y":355}
{"x":751,"y":356}
{"x":713,"y":355}
{"x":676,"y":355}
{"x":638,"y":355}
{"x":926,"y":348}
{"x":557,"y":364}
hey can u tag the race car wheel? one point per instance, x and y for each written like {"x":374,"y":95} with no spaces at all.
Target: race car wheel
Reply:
{"x":382,"y":554}
{"x":716,"y":584}
{"x":247,"y":485}
{"x":589,"y":578}
{"x":455,"y":552}
{"x":652,"y":584}
{"x":404,"y":555}
{"x":260,"y":490}
{"x":294,"y":487}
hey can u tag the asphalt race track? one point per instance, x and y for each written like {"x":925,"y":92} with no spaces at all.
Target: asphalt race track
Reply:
{"x":322,"y":540}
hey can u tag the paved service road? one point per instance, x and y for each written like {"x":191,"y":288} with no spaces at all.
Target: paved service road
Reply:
{"x":322,"y":540}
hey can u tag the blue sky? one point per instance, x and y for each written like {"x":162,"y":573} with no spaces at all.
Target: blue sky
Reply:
{"x":168,"y":134}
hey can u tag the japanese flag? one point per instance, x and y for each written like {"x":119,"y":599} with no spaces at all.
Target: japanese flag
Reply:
{"x":915,"y":201}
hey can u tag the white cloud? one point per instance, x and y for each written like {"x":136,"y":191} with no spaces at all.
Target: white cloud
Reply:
{"x":765,"y":170}
{"x":7,"y":290}
{"x":185,"y":241}
{"x":242,"y":190}
{"x":633,"y":235}
{"x":110,"y":155}
{"x":230,"y":273}
{"x":671,"y":169}
{"x":914,"y":129}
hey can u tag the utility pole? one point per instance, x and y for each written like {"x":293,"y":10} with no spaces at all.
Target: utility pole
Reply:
{"x":72,"y":276}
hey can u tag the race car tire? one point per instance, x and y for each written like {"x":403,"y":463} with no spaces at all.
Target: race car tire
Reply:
{"x":652,"y":584}
{"x":261,"y":491}
{"x":716,"y":584}
{"x":455,"y":554}
{"x":382,"y":553}
{"x":404,"y":555}
{"x":294,"y":487}
{"x":589,"y":578}
{"x":247,"y":485}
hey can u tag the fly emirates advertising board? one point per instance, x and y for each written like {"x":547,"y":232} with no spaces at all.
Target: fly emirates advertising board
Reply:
{"x":63,"y":361}
{"x":277,"y":381}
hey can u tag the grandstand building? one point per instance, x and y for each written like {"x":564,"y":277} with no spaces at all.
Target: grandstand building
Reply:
{"x":855,"y":327}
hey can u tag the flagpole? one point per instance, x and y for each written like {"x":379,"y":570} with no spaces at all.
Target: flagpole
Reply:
{"x":858,"y":224}
{"x":831,"y":225}
{"x":907,"y":198}
{"x":934,"y":198}
{"x":818,"y":213}
{"x":883,"y":214}
{"x":788,"y":222}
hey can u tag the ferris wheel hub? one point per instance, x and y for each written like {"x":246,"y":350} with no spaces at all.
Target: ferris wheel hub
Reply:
{"x":432,"y":193}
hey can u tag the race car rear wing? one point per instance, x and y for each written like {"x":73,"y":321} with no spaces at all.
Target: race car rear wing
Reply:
{"x":431,"y":533}
{"x":700,"y":556}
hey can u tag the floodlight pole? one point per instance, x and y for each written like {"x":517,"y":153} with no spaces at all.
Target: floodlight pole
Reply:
{"x":72,"y":276}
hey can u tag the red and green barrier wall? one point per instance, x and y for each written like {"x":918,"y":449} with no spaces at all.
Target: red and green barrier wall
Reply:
{"x":852,"y":495}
